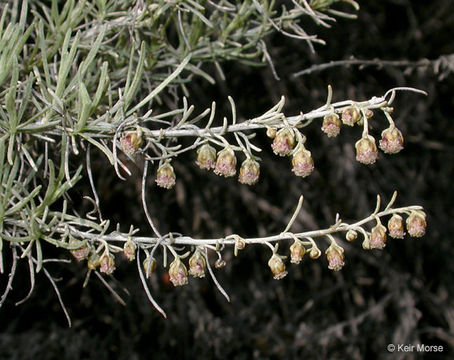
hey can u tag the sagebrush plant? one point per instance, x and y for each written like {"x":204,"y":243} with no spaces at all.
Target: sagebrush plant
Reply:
{"x":79,"y":76}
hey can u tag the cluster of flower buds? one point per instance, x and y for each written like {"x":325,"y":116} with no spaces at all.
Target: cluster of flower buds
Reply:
{"x":377,"y":237}
{"x":416,"y":223}
{"x":149,"y":266}
{"x":197,"y":264}
{"x":129,"y":250}
{"x":224,"y":164}
{"x":391,"y":141}
{"x":130,"y":142}
{"x":350,"y":116}
{"x":297,"y":252}
{"x":165,"y":176}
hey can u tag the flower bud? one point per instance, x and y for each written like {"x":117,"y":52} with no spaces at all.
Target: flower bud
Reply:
{"x":392,"y":140}
{"x":351,"y":235}
{"x":149,"y":266}
{"x":335,"y":257}
{"x":249,"y":172}
{"x":129,"y":249}
{"x":80,"y":253}
{"x":297,"y":251}
{"x":331,"y":125}
{"x":315,"y":252}
{"x":271,"y":133}
{"x":366,"y":150}
{"x":303,"y":164}
{"x":226,"y":163}
{"x":93,"y":261}
{"x":277,"y":267}
{"x":416,"y":224}
{"x":240,"y":244}
{"x":377,"y":237}
{"x":206,"y":157}
{"x":130,"y":142}
{"x":284,"y":142}
{"x":165,"y":176}
{"x":107,"y":264}
{"x":350,"y":116}
{"x":197,"y":264}
{"x":396,"y":227}
{"x":220,"y":263}
{"x":178,"y":273}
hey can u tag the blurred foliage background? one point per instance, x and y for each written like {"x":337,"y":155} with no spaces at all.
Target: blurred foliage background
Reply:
{"x":400,"y":295}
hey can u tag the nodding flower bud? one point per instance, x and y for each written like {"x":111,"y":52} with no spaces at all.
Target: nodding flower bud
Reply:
{"x":165,"y":176}
{"x":315,"y":252}
{"x":178,"y":273}
{"x":350,"y":116}
{"x":303,"y":164}
{"x":197,"y":264}
{"x":366,"y":150}
{"x":93,"y":261}
{"x":392,"y":140}
{"x":220,"y":263}
{"x":377,"y":237}
{"x":396,"y":227}
{"x":297,"y":252}
{"x":129,"y":249}
{"x":226,"y":163}
{"x":335,"y":257}
{"x":130,"y":142}
{"x":271,"y":133}
{"x":206,"y":157}
{"x":249,"y":172}
{"x":284,"y":142}
{"x":331,"y":125}
{"x":81,"y":253}
{"x":416,"y":223}
{"x":149,"y":266}
{"x":277,"y":266}
{"x":351,"y":235}
{"x":107,"y":264}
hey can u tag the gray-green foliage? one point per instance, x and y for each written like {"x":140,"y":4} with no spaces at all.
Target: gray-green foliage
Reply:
{"x":73,"y":73}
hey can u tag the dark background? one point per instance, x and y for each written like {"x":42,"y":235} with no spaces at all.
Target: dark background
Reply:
{"x":400,"y":295}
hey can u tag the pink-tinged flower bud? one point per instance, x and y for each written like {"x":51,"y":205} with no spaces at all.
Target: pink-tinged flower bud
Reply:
{"x":197,"y":264}
{"x":331,"y":125}
{"x":107,"y":264}
{"x":396,"y":227}
{"x":351,"y":235}
{"x":377,"y":237}
{"x":392,"y":140}
{"x":315,"y":252}
{"x":129,"y":249}
{"x":416,"y":223}
{"x":81,"y":253}
{"x":93,"y":261}
{"x":350,"y":116}
{"x":284,"y":142}
{"x":297,"y":252}
{"x":130,"y":142}
{"x":277,"y":267}
{"x":149,"y":266}
{"x":366,"y":150}
{"x":206,"y":157}
{"x":271,"y":133}
{"x":178,"y":273}
{"x":303,"y":164}
{"x":226,"y":163}
{"x":335,"y":257}
{"x":165,"y":176}
{"x":249,"y":172}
